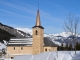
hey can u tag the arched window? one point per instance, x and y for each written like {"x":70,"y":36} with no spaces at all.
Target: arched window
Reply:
{"x":36,"y":33}
{"x":46,"y":49}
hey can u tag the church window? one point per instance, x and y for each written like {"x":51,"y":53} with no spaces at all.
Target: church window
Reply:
{"x":14,"y":48}
{"x":36,"y":33}
{"x":21,"y":48}
{"x":46,"y":49}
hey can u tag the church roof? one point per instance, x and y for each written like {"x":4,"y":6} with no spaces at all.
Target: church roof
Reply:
{"x":20,"y":42}
{"x":48,"y":42}
{"x":28,"y":42}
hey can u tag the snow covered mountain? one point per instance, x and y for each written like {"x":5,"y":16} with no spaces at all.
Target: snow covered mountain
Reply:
{"x":56,"y":38}
{"x":27,"y":30}
{"x":63,"y":34}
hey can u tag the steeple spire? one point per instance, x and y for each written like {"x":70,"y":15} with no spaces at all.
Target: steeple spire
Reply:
{"x":38,"y":23}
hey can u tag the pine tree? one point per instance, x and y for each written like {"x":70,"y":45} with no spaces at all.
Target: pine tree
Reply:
{"x":70,"y":47}
{"x":66,"y":47}
{"x":62,"y":46}
{"x":77,"y":46}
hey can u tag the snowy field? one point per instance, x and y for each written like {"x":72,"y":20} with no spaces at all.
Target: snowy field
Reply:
{"x":60,"y":55}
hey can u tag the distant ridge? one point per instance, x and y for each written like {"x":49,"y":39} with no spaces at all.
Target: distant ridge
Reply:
{"x":6,"y":32}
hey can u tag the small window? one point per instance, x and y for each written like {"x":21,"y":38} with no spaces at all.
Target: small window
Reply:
{"x":14,"y":48}
{"x":36,"y":33}
{"x":46,"y":49}
{"x":21,"y":48}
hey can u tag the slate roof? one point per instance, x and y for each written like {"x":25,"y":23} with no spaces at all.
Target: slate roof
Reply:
{"x":38,"y":27}
{"x":28,"y":42}
{"x":48,"y":42}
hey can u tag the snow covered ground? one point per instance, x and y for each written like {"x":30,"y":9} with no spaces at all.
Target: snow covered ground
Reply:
{"x":5,"y":59}
{"x":2,"y":46}
{"x":77,"y":57}
{"x":60,"y":55}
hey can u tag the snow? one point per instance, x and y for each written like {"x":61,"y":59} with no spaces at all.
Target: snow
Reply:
{"x":5,"y":59}
{"x":26,"y":30}
{"x":63,"y":34}
{"x":58,"y":55}
{"x":20,"y":33}
{"x":2,"y":46}
{"x":21,"y":41}
{"x":77,"y":57}
{"x":54,"y":37}
{"x":8,"y":59}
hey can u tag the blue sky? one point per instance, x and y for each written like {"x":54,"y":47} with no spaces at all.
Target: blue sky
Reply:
{"x":22,"y":13}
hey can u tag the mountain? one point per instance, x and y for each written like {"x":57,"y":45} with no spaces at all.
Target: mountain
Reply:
{"x":26,"y":30}
{"x":6,"y":32}
{"x":4,"y":35}
{"x":59,"y":38}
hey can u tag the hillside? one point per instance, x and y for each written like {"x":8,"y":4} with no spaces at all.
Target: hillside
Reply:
{"x":4,"y":35}
{"x":6,"y":32}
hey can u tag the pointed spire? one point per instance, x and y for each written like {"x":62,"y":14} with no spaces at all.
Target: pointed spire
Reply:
{"x":38,"y":23}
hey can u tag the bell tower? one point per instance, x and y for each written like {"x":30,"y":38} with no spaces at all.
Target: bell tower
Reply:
{"x":38,"y":36}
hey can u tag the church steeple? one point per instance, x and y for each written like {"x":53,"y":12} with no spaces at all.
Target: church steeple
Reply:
{"x":38,"y":36}
{"x":38,"y":23}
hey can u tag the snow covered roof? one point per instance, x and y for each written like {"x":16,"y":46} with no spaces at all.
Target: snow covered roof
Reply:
{"x":20,"y":42}
{"x":28,"y":42}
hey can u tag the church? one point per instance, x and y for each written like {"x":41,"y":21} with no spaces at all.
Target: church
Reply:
{"x":32,"y":45}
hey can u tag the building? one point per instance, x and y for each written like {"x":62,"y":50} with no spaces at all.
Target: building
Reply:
{"x":32,"y":45}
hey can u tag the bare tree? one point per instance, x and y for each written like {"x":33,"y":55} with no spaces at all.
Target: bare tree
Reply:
{"x":72,"y":26}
